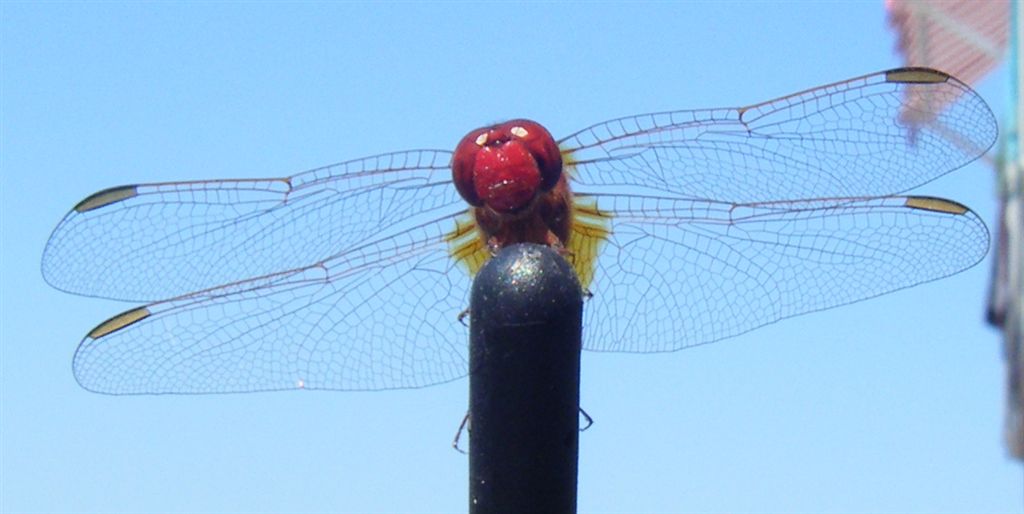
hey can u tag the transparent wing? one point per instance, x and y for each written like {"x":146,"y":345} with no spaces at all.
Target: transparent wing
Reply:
{"x":379,"y":316}
{"x":861,"y":137}
{"x":152,"y":241}
{"x":746,"y":229}
{"x":676,"y":273}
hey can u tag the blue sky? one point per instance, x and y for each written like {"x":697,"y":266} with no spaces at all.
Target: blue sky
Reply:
{"x":894,"y":404}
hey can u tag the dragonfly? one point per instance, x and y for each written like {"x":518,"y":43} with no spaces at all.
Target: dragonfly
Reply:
{"x":687,"y":227}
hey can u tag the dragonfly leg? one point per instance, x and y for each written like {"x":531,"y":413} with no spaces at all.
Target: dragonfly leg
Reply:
{"x":589,"y":420}
{"x":467,"y":426}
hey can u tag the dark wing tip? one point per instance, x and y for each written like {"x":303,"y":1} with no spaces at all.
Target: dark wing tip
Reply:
{"x":916,"y":75}
{"x":118,"y":322}
{"x":106,"y":197}
{"x":934,"y":204}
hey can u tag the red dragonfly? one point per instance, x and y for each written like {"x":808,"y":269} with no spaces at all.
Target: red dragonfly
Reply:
{"x":687,"y":227}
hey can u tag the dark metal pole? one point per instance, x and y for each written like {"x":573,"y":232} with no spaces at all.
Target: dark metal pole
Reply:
{"x":524,"y":384}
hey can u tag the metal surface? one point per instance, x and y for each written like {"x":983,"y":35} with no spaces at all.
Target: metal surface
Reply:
{"x":524,"y":383}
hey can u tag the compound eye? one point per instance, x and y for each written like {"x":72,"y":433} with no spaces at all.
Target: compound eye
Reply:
{"x":542,"y":146}
{"x":463,"y":163}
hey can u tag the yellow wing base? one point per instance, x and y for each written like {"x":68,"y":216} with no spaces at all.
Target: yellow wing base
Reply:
{"x":590,"y":229}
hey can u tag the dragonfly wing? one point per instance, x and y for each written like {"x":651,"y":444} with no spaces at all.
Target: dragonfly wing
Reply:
{"x":152,"y":241}
{"x":875,"y":135}
{"x":677,"y":273}
{"x":380,"y":316}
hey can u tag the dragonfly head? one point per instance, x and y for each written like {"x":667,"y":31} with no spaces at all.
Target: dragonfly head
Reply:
{"x":506,"y":166}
